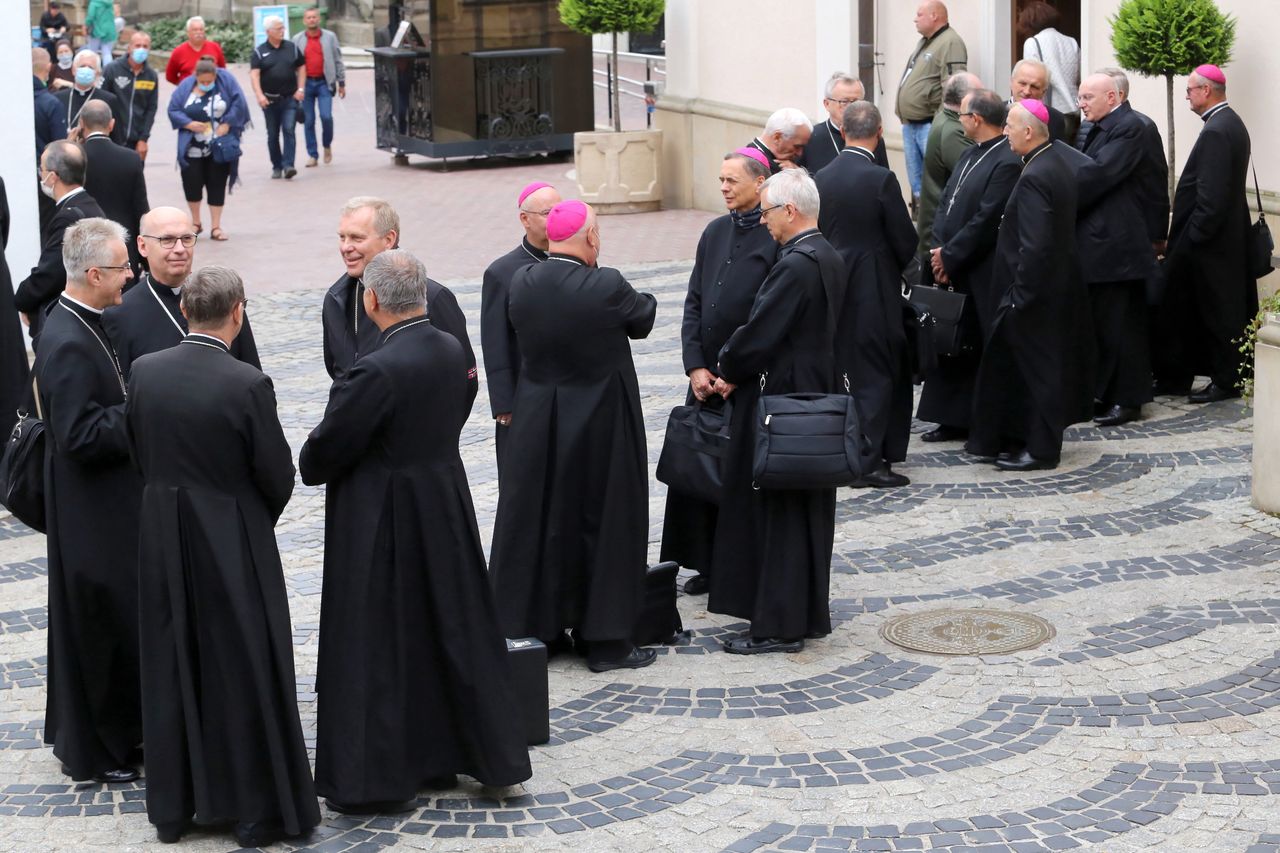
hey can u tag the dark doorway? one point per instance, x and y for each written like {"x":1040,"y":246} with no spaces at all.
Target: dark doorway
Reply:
{"x":1069,"y":23}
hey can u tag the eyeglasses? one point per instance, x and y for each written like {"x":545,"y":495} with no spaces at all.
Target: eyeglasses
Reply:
{"x":1191,"y":89}
{"x":117,"y":269}
{"x":536,"y":212}
{"x":765,"y":210}
{"x":167,"y":241}
{"x":844,"y":102}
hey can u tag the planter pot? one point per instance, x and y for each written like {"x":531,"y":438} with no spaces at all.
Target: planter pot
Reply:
{"x":619,"y":172}
{"x":1266,"y":417}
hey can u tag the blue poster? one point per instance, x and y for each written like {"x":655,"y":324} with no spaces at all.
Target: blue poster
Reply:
{"x":262,"y":12}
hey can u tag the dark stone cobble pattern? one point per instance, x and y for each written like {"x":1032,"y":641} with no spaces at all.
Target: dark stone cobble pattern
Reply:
{"x":36,"y":567}
{"x":24,"y":673}
{"x":23,"y":621}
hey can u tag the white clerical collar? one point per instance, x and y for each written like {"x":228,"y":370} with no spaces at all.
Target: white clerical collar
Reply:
{"x":70,"y":193}
{"x":208,"y":340}
{"x":95,"y":135}
{"x":858,"y":149}
{"x":72,"y":299}
{"x":1214,"y":110}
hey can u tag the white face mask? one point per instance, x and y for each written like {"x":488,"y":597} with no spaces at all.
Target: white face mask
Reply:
{"x":47,"y":189}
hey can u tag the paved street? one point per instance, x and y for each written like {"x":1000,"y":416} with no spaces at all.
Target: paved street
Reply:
{"x":1147,"y":722}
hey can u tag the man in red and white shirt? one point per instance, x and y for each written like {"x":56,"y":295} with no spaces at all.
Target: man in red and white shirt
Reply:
{"x":182,"y":62}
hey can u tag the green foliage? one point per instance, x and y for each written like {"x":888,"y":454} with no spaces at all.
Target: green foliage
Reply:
{"x":1248,"y":343}
{"x":596,"y":17}
{"x":1159,"y":38}
{"x":235,"y":39}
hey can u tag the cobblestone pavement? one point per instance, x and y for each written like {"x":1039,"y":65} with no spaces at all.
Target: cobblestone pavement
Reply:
{"x":1148,"y":722}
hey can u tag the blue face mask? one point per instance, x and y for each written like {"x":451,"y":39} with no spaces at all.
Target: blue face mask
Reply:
{"x":206,"y":87}
{"x":85,"y":76}
{"x":140,"y":55}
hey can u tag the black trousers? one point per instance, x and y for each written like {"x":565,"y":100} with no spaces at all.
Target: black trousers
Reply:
{"x":203,"y":176}
{"x":1120,"y":328}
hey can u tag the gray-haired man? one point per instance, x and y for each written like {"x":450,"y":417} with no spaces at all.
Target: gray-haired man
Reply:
{"x":326,"y":76}
{"x":827,"y":141}
{"x":785,"y":135}
{"x":278,"y":73}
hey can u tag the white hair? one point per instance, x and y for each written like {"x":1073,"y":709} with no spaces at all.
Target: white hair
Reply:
{"x":1122,"y":79}
{"x":796,"y":188}
{"x":194,"y":19}
{"x":90,"y":243}
{"x":271,"y":21}
{"x":840,"y":78}
{"x":787,"y":121}
{"x":1034,"y":63}
{"x":88,"y":57}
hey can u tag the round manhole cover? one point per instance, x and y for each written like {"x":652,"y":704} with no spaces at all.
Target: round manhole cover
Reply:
{"x":967,"y":632}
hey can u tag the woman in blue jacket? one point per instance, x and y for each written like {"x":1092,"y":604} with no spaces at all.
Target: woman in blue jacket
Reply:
{"x":209,"y":111}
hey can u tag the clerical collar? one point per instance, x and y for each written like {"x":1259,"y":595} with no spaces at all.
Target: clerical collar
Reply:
{"x":70,"y":193}
{"x":858,"y":149}
{"x":97,"y":134}
{"x":206,"y":341}
{"x":745,"y":221}
{"x":995,"y":140}
{"x":764,"y":149}
{"x":1026,"y":161}
{"x":533,"y":251}
{"x":1213,"y":111}
{"x":392,"y":330}
{"x":557,"y":256}
{"x":75,"y":301}
{"x":803,"y":235}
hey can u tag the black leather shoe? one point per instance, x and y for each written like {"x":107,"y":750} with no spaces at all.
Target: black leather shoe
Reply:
{"x":883,"y":478}
{"x":944,"y":433}
{"x":761,"y":645}
{"x":441,"y":783}
{"x":697,"y":585}
{"x":257,"y":834}
{"x":1117,"y":415}
{"x":387,"y":807}
{"x":1212,"y":393}
{"x":637,"y":659}
{"x":120,"y":774}
{"x":171,"y":833}
{"x":1024,"y":461}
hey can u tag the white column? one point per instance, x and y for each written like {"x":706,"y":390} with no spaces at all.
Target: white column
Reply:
{"x":682,"y":49}
{"x":835,"y":44}
{"x":17,"y":143}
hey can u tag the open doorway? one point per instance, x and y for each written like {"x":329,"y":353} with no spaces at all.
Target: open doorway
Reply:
{"x":1068,"y":23}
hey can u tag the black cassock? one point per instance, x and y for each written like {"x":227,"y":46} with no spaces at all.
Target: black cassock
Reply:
{"x":412,"y":682}
{"x":965,"y":227}
{"x":349,"y":333}
{"x":773,"y":547}
{"x":571,"y":533}
{"x":1023,"y":394}
{"x":826,"y":144}
{"x":1212,"y":293}
{"x":220,"y":712}
{"x":93,"y":716}
{"x":774,"y":166}
{"x":38,"y":292}
{"x":71,"y":102}
{"x":732,"y":262}
{"x":15,"y":379}
{"x":867,"y":222}
{"x":150,"y":319}
{"x":498,"y":342}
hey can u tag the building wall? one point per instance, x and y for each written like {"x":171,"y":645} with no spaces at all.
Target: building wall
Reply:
{"x":18,"y":142}
{"x":721,"y":87}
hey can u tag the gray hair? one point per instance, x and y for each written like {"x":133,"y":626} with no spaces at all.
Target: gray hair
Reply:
{"x":194,"y":19}
{"x":272,"y":21}
{"x":89,"y":243}
{"x":96,"y":116}
{"x":210,"y":294}
{"x":1034,"y":63}
{"x":1122,"y":79}
{"x":786,"y":121}
{"x":840,"y":78}
{"x":796,"y":188}
{"x":88,"y":57}
{"x":398,"y":279}
{"x":989,"y":107}
{"x":66,"y":160}
{"x":861,"y":120}
{"x":956,"y":87}
{"x":385,"y":218}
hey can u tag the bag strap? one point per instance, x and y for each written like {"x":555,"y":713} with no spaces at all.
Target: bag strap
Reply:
{"x":812,"y":254}
{"x":1256,"y":192}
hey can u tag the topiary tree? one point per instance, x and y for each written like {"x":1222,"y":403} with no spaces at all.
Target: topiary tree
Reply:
{"x":598,"y":17}
{"x":1167,"y":38}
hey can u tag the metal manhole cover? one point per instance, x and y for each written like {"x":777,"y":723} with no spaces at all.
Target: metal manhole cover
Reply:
{"x":967,"y":632}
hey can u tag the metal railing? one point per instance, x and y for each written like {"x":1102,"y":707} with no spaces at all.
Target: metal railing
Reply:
{"x":655,"y":72}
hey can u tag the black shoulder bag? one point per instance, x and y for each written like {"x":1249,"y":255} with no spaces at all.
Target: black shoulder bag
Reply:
{"x":696,"y":444}
{"x":1261,"y":243}
{"x":22,"y":469}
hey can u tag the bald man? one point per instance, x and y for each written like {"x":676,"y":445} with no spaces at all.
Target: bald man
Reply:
{"x":939,"y":54}
{"x":1117,"y":258}
{"x":501,"y":350}
{"x":947,"y":143}
{"x":1019,"y":412}
{"x":150,"y":319}
{"x":113,"y":173}
{"x":572,"y":529}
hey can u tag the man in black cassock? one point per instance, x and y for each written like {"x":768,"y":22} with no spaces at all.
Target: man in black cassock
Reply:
{"x":734,"y":256}
{"x":113,"y":173}
{"x":72,"y":99}
{"x":15,"y":380}
{"x":220,"y":713}
{"x":412,"y":684}
{"x":370,"y":225}
{"x":786,"y":133}
{"x":827,"y":140}
{"x":1118,"y":257}
{"x":773,"y":547}
{"x":1212,"y":292}
{"x":866,"y":220}
{"x":964,"y":236}
{"x":1020,"y":400}
{"x":62,"y":179}
{"x":498,"y":341}
{"x":93,"y":715}
{"x":150,"y":317}
{"x":571,"y":533}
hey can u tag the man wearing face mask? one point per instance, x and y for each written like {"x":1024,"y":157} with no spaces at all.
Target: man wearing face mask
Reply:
{"x":71,"y":101}
{"x":137,"y":86}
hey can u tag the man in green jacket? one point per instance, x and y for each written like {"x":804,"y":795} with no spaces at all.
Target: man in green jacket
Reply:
{"x":947,"y":142}
{"x":100,"y":26}
{"x":939,"y":54}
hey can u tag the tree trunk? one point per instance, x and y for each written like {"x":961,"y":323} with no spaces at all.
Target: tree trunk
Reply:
{"x":1168,"y":78}
{"x":617,"y":86}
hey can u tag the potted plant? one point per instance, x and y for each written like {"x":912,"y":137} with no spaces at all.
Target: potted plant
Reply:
{"x":617,"y":171}
{"x":1167,"y":38}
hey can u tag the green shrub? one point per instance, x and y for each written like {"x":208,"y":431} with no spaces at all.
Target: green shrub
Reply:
{"x":235,"y":39}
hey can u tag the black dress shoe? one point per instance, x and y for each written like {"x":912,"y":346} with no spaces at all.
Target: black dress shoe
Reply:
{"x":697,"y":585}
{"x":171,"y":833}
{"x":1024,"y":461}
{"x":1212,"y":393}
{"x":945,"y":433}
{"x":384,"y":807}
{"x":761,"y":645}
{"x":636,"y":659}
{"x":257,"y":834}
{"x":1117,"y":415}
{"x":882,"y":478}
{"x":119,"y":774}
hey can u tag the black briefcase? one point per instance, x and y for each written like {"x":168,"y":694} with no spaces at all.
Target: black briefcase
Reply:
{"x":946,"y":307}
{"x":659,"y":620}
{"x":22,"y":472}
{"x":807,"y":441}
{"x":696,"y":443}
{"x":528,"y":668}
